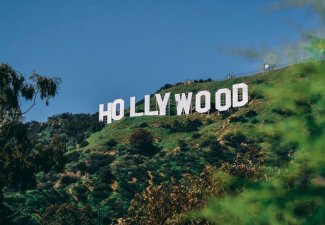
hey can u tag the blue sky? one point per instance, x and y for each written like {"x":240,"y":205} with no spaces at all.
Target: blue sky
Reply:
{"x":105,"y":50}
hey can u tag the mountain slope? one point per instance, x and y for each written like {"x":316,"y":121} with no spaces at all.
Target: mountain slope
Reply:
{"x":106,"y":171}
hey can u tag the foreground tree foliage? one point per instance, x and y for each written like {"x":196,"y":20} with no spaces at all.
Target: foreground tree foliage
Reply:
{"x":16,"y":156}
{"x":296,"y":193}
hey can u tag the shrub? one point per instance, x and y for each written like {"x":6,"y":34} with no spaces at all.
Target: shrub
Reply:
{"x":67,"y":214}
{"x":83,"y":143}
{"x":97,"y":161}
{"x":257,"y":94}
{"x":166,"y":86}
{"x":251,"y":113}
{"x":97,"y":126}
{"x":169,"y":204}
{"x":176,"y":126}
{"x":81,"y":191}
{"x":68,"y":179}
{"x":142,"y":141}
{"x":187,"y":126}
{"x":259,"y":81}
{"x":196,"y":135}
{"x":217,"y":153}
{"x":182,"y":145}
{"x":209,"y":121}
{"x":246,"y":165}
{"x":235,"y":139}
{"x":192,"y":125}
{"x":241,"y":119}
{"x":209,"y":141}
{"x":283,"y":112}
{"x":82,"y":166}
{"x":106,"y":175}
{"x":73,"y":156}
{"x":111,"y":143}
{"x":101,"y":191}
{"x":143,"y":124}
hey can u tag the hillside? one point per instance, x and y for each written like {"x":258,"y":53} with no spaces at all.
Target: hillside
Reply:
{"x":104,"y":171}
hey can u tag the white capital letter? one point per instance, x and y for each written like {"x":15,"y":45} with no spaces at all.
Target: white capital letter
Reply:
{"x":236,"y":102}
{"x":227,"y":93}
{"x":119,"y":102}
{"x":147,"y":111}
{"x":207,"y":101}
{"x":162,"y":104}
{"x":132,"y":108}
{"x":107,"y":114}
{"x":183,"y":103}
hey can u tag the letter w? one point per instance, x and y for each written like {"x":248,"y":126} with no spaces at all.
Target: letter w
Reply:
{"x":183,"y":103}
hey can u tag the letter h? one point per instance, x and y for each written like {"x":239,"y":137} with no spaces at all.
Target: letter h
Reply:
{"x":105,"y":116}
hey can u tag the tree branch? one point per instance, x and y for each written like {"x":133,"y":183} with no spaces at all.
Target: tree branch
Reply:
{"x":34,"y":103}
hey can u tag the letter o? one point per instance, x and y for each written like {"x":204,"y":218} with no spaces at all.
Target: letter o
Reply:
{"x":207,"y":101}
{"x":219,"y":93}
{"x":119,"y":102}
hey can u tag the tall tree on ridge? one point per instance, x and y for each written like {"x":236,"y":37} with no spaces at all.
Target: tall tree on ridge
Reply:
{"x":16,"y":167}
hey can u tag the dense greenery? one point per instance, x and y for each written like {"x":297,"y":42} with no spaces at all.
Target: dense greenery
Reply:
{"x":254,"y":161}
{"x":296,"y":194}
{"x":17,"y":159}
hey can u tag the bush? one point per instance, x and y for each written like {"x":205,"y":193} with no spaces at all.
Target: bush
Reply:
{"x":142,"y":141}
{"x":81,"y":191}
{"x":106,"y":175}
{"x":241,"y":119}
{"x":209,"y":141}
{"x":73,"y":156}
{"x":235,"y":139}
{"x":187,"y":126}
{"x":67,"y":180}
{"x":83,"y":143}
{"x":68,"y":214}
{"x":166,"y":86}
{"x":217,"y":153}
{"x":283,"y":112}
{"x":101,"y":191}
{"x":81,"y":166}
{"x":143,"y":124}
{"x":182,"y":145}
{"x":192,"y":125}
{"x":196,"y":135}
{"x":246,"y":165}
{"x":251,"y":113}
{"x":111,"y":143}
{"x":169,"y":204}
{"x":97,"y":126}
{"x":209,"y":121}
{"x":256,"y":94}
{"x":176,"y":126}
{"x":98,"y":161}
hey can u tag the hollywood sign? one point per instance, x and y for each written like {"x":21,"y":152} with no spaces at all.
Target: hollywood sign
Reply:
{"x":224,"y":99}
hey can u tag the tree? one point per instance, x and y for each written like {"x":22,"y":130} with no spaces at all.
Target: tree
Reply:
{"x":51,"y":157}
{"x":16,"y":157}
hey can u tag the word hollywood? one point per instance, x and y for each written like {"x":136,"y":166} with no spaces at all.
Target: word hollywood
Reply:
{"x":224,"y":99}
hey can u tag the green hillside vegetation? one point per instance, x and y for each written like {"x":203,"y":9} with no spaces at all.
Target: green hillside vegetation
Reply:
{"x":164,"y":169}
